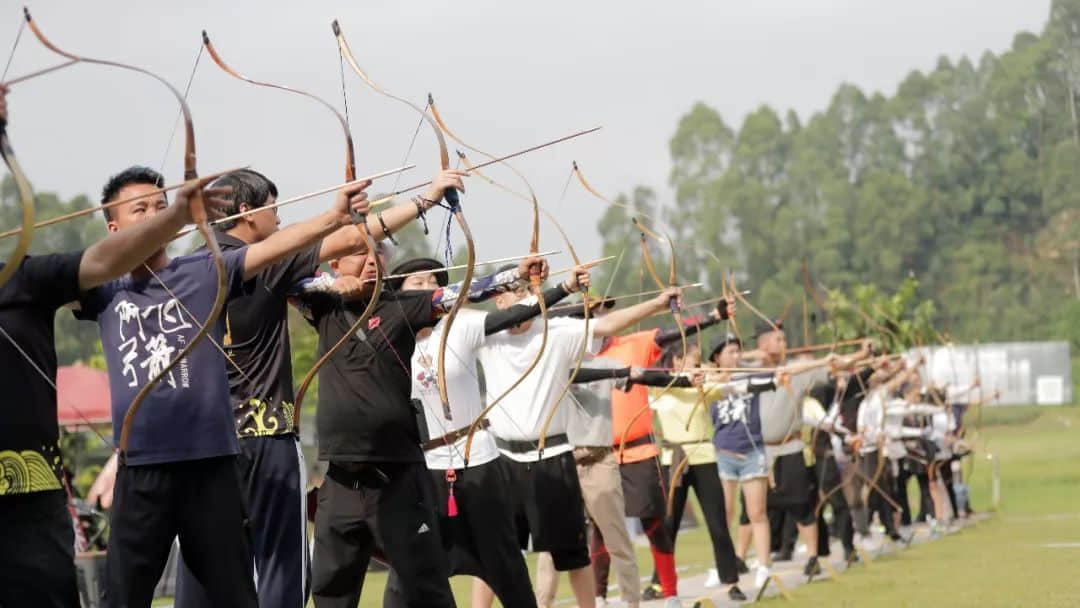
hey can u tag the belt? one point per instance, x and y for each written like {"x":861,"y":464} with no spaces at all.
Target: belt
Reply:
{"x":451,"y":437}
{"x":643,"y":440}
{"x":585,"y":456}
{"x":356,"y":475}
{"x":527,"y":445}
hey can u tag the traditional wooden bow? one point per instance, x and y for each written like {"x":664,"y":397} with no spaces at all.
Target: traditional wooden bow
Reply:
{"x":26,"y":200}
{"x":198,"y":214}
{"x":369,"y":240}
{"x":537,"y":209}
{"x":452,"y":199}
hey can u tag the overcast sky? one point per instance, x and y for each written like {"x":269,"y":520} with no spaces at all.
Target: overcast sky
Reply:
{"x":507,"y":75}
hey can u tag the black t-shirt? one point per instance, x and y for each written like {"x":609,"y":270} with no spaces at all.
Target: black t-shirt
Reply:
{"x":853,"y":397}
{"x":825,"y":394}
{"x":257,"y":342}
{"x":365,"y":413}
{"x":29,"y":454}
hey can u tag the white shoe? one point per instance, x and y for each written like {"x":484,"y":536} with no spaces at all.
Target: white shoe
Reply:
{"x":672,"y":602}
{"x":601,"y":602}
{"x":762,"y":576}
{"x":713,"y":580}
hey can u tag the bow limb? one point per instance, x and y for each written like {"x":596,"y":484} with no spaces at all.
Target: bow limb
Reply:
{"x":676,"y":479}
{"x":444,"y":157}
{"x":676,"y":314}
{"x":26,"y":200}
{"x":593,"y":191}
{"x":350,"y":175}
{"x":350,"y":162}
{"x":748,"y":305}
{"x":198,"y":215}
{"x":701,"y":393}
{"x":451,"y":196}
{"x":648,"y":265}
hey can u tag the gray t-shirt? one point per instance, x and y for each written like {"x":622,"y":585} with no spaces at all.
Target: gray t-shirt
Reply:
{"x":588,"y":421}
{"x":781,"y":412}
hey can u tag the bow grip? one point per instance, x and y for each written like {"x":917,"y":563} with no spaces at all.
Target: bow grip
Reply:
{"x":450,"y":195}
{"x":357,"y":217}
{"x":673,"y":304}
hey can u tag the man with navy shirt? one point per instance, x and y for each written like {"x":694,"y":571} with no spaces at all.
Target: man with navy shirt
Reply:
{"x":179,"y":475}
{"x":37,"y":560}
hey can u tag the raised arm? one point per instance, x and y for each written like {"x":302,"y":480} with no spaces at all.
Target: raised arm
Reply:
{"x":505,"y":319}
{"x":692,"y":325}
{"x":304,"y":234}
{"x":619,"y":319}
{"x":124,"y":250}
{"x":347,"y":240}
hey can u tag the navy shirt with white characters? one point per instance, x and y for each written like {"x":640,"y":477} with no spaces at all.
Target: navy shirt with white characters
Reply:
{"x":188,"y":414}
{"x":738,"y":423}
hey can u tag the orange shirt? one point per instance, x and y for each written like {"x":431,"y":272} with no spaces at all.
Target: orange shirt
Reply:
{"x":638,"y":350}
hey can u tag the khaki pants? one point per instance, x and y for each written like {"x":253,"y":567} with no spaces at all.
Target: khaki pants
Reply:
{"x":601,"y":487}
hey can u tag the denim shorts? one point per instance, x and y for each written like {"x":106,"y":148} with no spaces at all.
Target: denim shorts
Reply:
{"x":740,"y":467}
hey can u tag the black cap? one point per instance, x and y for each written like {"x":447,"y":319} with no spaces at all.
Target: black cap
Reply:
{"x":763,"y":327}
{"x":719,"y":346}
{"x":419,"y":265}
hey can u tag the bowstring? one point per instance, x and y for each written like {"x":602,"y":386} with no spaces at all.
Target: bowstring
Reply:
{"x":195,"y":320}
{"x":14,"y":46}
{"x":562,"y":196}
{"x":180,"y":113}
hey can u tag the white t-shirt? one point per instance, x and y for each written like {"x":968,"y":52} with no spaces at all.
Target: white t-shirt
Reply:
{"x":462,"y":390}
{"x":505,"y":356}
{"x":942,"y":424}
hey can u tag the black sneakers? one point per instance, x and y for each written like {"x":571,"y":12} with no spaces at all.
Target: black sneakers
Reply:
{"x":735,"y":594}
{"x":740,"y":565}
{"x":813,"y":568}
{"x":652,"y":592}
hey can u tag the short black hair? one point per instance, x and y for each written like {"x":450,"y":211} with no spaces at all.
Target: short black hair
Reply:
{"x":675,"y":349}
{"x":249,"y":188}
{"x":722,"y":344}
{"x":132,"y":175}
{"x":419,"y":265}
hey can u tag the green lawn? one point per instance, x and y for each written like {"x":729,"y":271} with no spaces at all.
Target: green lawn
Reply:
{"x":1002,"y":561}
{"x":999,"y":562}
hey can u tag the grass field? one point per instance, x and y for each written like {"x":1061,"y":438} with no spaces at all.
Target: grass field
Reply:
{"x":1004,"y":561}
{"x":999,"y":562}
{"x":1026,"y":554}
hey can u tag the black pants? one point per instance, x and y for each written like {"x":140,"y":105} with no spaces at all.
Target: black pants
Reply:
{"x":37,"y":555}
{"x":272,"y":473}
{"x":945,"y":469}
{"x":390,"y":505}
{"x":481,"y":540}
{"x":705,"y":480}
{"x":197,"y":500}
{"x":885,"y":487}
{"x":828,"y":479}
{"x":908,"y":470}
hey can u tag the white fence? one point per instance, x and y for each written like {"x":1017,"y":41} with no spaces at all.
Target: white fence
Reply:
{"x":1025,"y":372}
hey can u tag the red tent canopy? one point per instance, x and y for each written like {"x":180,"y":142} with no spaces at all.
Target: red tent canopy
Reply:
{"x":82,"y":396}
